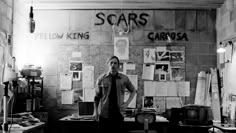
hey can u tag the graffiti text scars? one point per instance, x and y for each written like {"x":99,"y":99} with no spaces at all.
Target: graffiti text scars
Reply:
{"x":137,"y":19}
{"x":67,"y":36}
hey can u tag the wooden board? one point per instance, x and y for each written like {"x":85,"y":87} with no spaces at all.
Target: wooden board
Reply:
{"x":200,"y":89}
{"x":207,"y":93}
{"x":215,"y":96}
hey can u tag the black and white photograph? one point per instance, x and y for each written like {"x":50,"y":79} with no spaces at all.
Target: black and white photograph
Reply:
{"x":177,"y":56}
{"x":177,"y":74}
{"x":76,"y":76}
{"x":162,"y":68}
{"x":148,"y":102}
{"x":75,"y":66}
{"x":124,"y":56}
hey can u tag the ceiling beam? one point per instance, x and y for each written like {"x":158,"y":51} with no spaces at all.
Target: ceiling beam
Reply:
{"x":126,"y":4}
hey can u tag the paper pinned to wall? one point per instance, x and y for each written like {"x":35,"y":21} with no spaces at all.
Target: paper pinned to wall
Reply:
{"x":121,"y":47}
{"x":65,"y":81}
{"x":76,"y":54}
{"x":161,"y":89}
{"x":77,"y":76}
{"x":75,"y":66}
{"x":149,"y":55}
{"x":161,"y":48}
{"x":67,"y":97}
{"x":149,"y":88}
{"x":155,"y":88}
{"x":172,"y":89}
{"x":134,"y":80}
{"x":148,"y":71}
{"x":89,"y":95}
{"x":133,"y":102}
{"x":173,"y":102}
{"x":1,"y":54}
{"x":228,"y":53}
{"x":221,"y":58}
{"x":122,"y":68}
{"x":162,"y":54}
{"x":88,"y":77}
{"x":159,"y":104}
{"x":1,"y":63}
{"x":184,"y":88}
{"x":130,"y":66}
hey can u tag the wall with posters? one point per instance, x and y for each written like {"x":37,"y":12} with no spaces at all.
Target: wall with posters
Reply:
{"x":68,"y":42}
{"x":7,"y":60}
{"x":226,"y":61}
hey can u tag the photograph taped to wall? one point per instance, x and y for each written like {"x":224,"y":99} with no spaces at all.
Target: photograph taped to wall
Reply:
{"x":159,"y":104}
{"x":75,"y":66}
{"x":121,"y":47}
{"x":149,"y":55}
{"x":121,"y":66}
{"x":65,"y":81}
{"x":176,"y":56}
{"x":76,"y":76}
{"x":177,"y":73}
{"x":148,"y":102}
{"x":148,"y":71}
{"x":1,"y":54}
{"x":160,"y":70}
{"x":162,"y":54}
{"x":79,"y":94}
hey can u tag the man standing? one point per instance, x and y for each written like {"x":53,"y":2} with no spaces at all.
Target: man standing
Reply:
{"x":109,"y":98}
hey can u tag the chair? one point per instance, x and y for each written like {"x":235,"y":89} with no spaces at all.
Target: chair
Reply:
{"x":145,"y":119}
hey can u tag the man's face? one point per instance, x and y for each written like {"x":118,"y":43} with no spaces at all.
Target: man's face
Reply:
{"x":113,"y":66}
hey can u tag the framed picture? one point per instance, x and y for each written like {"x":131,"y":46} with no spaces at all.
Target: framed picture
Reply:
{"x":76,"y":76}
{"x":148,"y":102}
{"x":75,"y":66}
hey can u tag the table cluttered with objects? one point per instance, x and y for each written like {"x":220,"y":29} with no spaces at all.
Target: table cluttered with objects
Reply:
{"x":24,"y":123}
{"x":76,"y":123}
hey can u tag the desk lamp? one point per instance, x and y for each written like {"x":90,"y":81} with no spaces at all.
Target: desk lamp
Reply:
{"x":145,"y":118}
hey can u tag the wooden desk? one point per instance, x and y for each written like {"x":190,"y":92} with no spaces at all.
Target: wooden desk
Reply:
{"x":37,"y":128}
{"x":70,"y":125}
{"x":224,"y":128}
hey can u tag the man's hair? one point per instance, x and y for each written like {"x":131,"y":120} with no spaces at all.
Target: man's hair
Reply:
{"x":113,"y":57}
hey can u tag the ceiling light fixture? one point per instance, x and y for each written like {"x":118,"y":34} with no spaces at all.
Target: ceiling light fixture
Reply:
{"x":222,"y":46}
{"x":31,"y":22}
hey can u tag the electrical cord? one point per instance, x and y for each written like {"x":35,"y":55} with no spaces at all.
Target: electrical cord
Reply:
{"x":13,"y":100}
